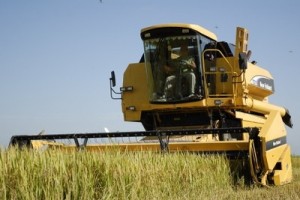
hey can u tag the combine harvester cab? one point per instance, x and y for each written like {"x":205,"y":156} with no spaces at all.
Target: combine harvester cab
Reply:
{"x":194,"y":93}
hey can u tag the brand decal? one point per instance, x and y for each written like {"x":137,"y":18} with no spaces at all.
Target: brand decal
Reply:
{"x":263,"y":82}
{"x":275,"y":143}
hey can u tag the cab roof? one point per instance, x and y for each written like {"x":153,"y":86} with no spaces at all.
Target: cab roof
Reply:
{"x":194,"y":27}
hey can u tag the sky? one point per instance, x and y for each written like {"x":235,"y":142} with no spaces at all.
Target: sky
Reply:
{"x":56,"y":56}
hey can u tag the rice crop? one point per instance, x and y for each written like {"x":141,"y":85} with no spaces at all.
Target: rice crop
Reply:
{"x":112,"y":174}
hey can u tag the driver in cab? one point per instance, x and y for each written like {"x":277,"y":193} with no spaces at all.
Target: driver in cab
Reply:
{"x":183,"y":67}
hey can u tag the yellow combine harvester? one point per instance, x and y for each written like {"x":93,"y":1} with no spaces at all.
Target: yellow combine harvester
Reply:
{"x":194,"y":93}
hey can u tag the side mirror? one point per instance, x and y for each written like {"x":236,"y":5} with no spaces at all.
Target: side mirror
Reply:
{"x":112,"y":82}
{"x":113,"y":79}
{"x":243,"y":59}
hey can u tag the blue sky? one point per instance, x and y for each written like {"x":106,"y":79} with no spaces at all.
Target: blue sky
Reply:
{"x":56,"y":56}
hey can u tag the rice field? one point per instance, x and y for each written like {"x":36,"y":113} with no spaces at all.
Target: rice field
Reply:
{"x":125,"y":175}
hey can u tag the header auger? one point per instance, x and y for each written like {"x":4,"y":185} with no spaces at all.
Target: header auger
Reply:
{"x":194,"y":93}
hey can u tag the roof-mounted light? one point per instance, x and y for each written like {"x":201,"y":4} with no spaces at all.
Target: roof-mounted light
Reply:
{"x":147,"y":35}
{"x":185,"y":30}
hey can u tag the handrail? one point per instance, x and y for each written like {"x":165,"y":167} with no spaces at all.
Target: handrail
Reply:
{"x":231,"y":72}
